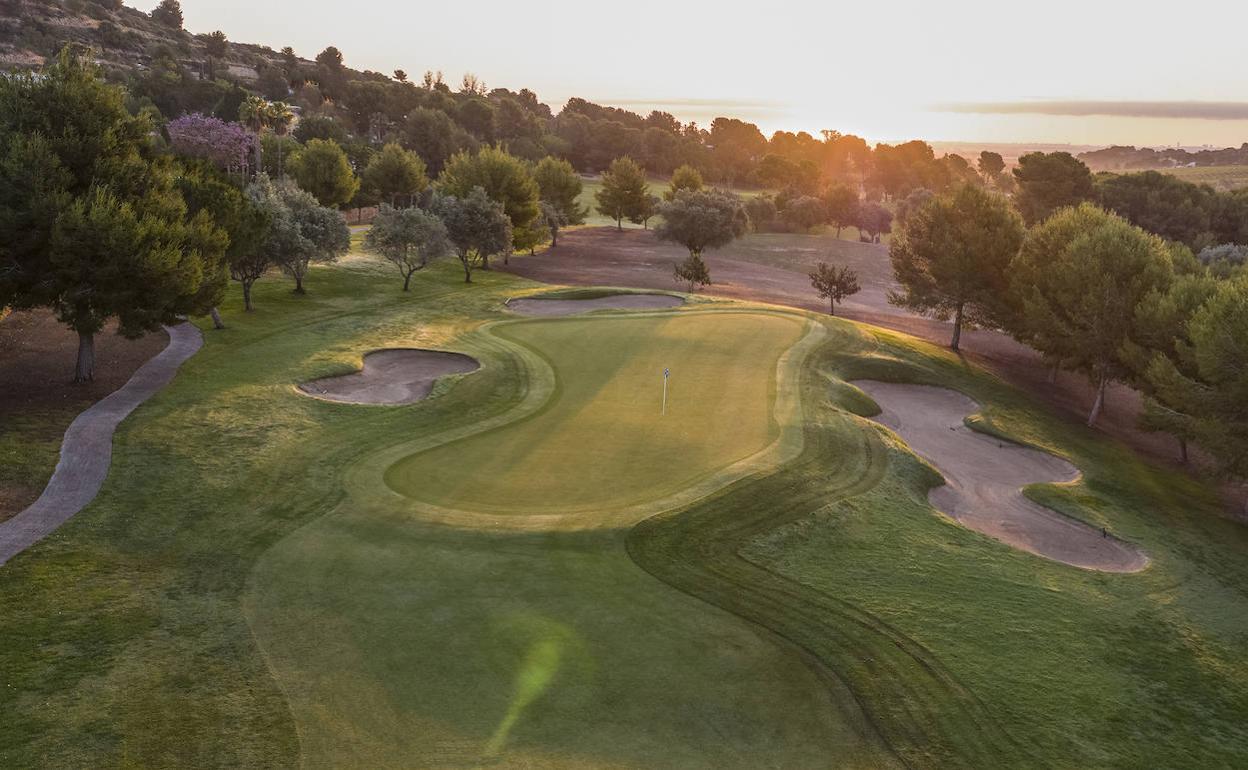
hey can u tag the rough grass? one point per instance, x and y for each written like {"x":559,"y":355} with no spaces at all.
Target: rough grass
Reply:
{"x":237,"y":596}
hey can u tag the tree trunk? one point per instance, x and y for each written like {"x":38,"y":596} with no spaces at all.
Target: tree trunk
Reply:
{"x":407,"y":278}
{"x":247,"y":296}
{"x":299,"y":282}
{"x":1053,"y":372}
{"x":619,"y":223}
{"x":1099,"y":404}
{"x":1183,"y":450}
{"x":957,"y":330}
{"x":831,"y":306}
{"x":554,"y":238}
{"x":85,"y":369}
{"x":217,"y":323}
{"x":485,"y":262}
{"x":467,"y":270}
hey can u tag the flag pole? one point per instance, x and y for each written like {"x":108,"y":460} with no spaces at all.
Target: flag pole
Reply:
{"x":665,"y":373}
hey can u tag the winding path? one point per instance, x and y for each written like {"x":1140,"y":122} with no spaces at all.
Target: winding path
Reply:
{"x":984,"y":477}
{"x":87,"y":449}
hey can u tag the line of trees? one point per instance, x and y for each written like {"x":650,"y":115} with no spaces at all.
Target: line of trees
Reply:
{"x":1094,"y":294}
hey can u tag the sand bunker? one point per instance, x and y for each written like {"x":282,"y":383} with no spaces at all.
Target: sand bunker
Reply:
{"x":397,"y":376}
{"x":552,"y":307}
{"x":984,"y":477}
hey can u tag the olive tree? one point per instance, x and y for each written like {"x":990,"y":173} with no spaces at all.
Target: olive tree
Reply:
{"x":409,"y":238}
{"x":477,"y":226}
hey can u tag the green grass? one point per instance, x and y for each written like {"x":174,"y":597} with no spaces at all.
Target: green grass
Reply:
{"x":1223,"y":178}
{"x":601,"y":442}
{"x":591,"y":186}
{"x":246,"y":591}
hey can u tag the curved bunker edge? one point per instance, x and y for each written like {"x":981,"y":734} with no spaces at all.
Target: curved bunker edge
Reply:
{"x":391,"y":376}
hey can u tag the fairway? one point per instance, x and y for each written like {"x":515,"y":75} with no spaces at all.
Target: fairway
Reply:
{"x":603,"y":440}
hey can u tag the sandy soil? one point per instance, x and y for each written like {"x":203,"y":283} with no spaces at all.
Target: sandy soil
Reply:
{"x":536,"y":306}
{"x":984,"y":478}
{"x":398,"y":376}
{"x":773,"y":269}
{"x":37,"y":394}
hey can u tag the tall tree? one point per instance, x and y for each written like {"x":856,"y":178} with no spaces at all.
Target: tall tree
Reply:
{"x":991,"y":166}
{"x":874,"y":220}
{"x":322,"y":169}
{"x":394,"y":174}
{"x":840,"y":202}
{"x":504,"y":178}
{"x":279,"y":116}
{"x":1207,"y":390}
{"x":1048,"y":182}
{"x":553,"y":219}
{"x":834,"y":283}
{"x":1080,"y":278}
{"x":409,"y":238}
{"x":952,"y":258}
{"x":560,"y":186}
{"x":300,"y":231}
{"x":701,"y":220}
{"x":477,"y":226}
{"x":623,"y":192}
{"x":685,"y":177}
{"x":168,"y":13}
{"x":91,"y":221}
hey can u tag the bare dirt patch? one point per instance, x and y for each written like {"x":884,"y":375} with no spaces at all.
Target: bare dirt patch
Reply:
{"x":38,"y":399}
{"x":396,"y":376}
{"x":537,"y":306}
{"x":984,"y":477}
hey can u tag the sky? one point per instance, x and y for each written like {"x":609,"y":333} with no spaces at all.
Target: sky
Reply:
{"x":1060,"y":71}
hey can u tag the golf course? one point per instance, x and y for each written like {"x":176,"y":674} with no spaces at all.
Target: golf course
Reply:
{"x":540,"y":562}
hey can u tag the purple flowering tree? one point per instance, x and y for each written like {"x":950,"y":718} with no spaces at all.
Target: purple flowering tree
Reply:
{"x":229,"y":146}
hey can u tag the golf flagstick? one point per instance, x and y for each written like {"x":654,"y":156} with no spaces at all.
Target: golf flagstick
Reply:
{"x":666,"y":373}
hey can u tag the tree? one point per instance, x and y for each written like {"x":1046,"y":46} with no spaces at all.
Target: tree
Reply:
{"x":477,"y":226}
{"x":92,"y":223}
{"x":874,"y":220}
{"x":433,"y":136}
{"x":301,"y":231}
{"x":320,"y":127}
{"x":840,"y":202}
{"x":804,"y":212}
{"x":1162,"y":204}
{"x":952,"y":258}
{"x":204,"y":188}
{"x":400,"y":76}
{"x":1162,"y":329}
{"x":912,"y":203}
{"x":395,"y":172}
{"x":685,"y":177}
{"x":991,"y":165}
{"x":623,"y":192}
{"x":1048,"y":182}
{"x":504,"y":178}
{"x":649,"y":207}
{"x":560,"y":186}
{"x":693,"y":272}
{"x":834,"y":283}
{"x":217,"y":45}
{"x":1207,"y":389}
{"x":705,"y":219}
{"x":322,"y":169}
{"x":228,"y":146}
{"x":278,"y":116}
{"x":168,"y":13}
{"x":553,"y":219}
{"x":1080,"y":278}
{"x":410,"y":238}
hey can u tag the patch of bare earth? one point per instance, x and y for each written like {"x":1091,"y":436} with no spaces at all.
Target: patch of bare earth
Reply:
{"x":773,"y":268}
{"x":398,"y":376}
{"x":38,"y":398}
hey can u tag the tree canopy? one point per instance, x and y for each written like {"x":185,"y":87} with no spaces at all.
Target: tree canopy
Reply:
{"x":623,"y":193}
{"x":477,"y":226}
{"x":394,"y":174}
{"x":559,"y":185}
{"x":702,"y":219}
{"x":322,"y":169}
{"x":504,"y":178}
{"x":952,"y":258}
{"x":409,"y":238}
{"x":1048,"y":182}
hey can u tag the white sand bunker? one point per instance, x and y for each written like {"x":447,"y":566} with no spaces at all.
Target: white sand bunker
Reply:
{"x":396,"y":376}
{"x":552,"y":307}
{"x":984,"y":479}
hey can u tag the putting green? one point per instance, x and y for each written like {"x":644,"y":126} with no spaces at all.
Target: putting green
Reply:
{"x":602,"y":440}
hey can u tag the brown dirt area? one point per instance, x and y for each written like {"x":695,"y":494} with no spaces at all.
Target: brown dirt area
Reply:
{"x":38,"y":399}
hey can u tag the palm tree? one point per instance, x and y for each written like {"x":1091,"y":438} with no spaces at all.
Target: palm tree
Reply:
{"x":279,"y":116}
{"x":253,"y":113}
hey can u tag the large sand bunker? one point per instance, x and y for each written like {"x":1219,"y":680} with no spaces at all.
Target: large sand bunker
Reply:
{"x":396,"y":376}
{"x":984,"y":478}
{"x":537,"y":306}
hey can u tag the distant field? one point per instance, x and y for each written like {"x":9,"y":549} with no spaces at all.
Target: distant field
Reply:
{"x":1221,"y":178}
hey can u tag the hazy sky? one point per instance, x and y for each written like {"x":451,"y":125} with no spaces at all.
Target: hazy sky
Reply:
{"x":1086,"y":72}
